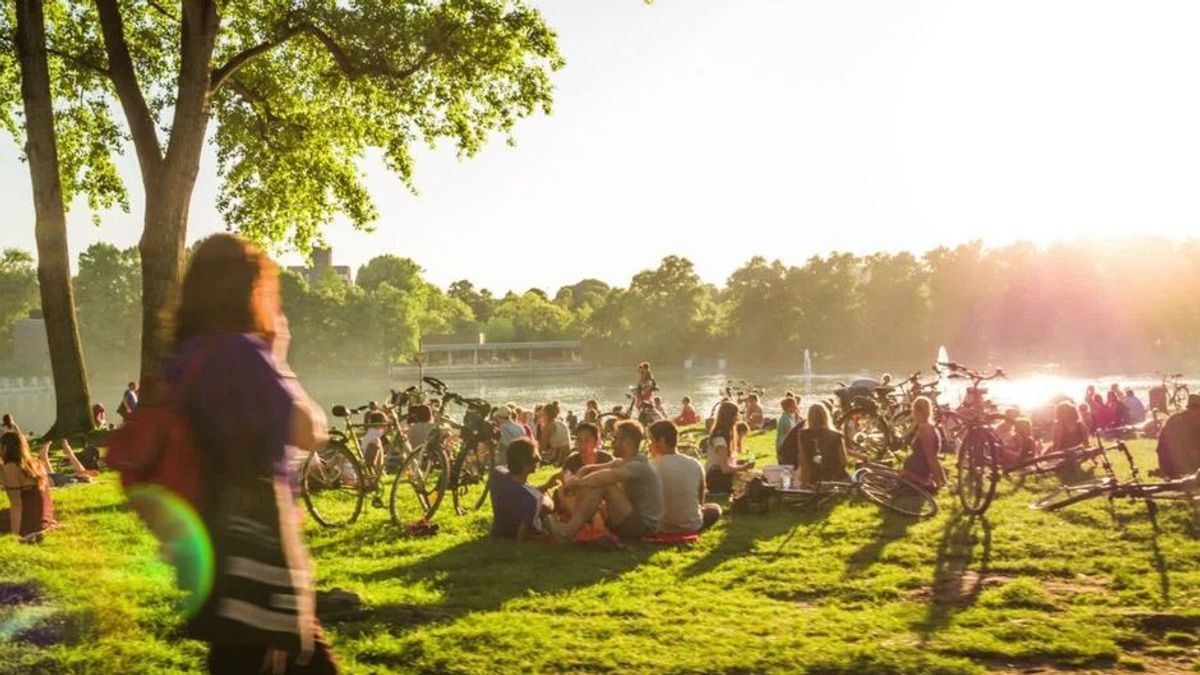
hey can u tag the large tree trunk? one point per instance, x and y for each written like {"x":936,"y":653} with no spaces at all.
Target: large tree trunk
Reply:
{"x":73,"y":413}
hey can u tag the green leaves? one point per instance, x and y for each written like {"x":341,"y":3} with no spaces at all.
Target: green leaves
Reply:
{"x":18,"y":291}
{"x":294,"y":122}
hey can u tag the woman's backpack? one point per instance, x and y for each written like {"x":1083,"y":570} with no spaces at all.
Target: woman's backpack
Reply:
{"x":159,"y":461}
{"x":755,"y":498}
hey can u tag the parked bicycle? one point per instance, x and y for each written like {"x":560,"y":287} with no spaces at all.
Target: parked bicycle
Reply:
{"x":472,"y":445}
{"x":335,"y":481}
{"x":876,"y":483}
{"x":1169,"y":396}
{"x":1112,"y":487}
{"x":977,"y":462}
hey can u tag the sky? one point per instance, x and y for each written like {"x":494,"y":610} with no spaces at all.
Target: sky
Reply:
{"x":724,"y":129}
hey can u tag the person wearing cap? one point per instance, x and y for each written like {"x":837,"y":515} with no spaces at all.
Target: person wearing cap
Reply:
{"x":509,"y":430}
{"x":1179,"y":441}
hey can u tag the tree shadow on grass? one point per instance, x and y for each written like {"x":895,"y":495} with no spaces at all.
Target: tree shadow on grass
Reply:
{"x":484,"y":573}
{"x":741,"y":533}
{"x":960,"y":570}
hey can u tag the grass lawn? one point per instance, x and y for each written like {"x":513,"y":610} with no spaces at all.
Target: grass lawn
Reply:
{"x":847,"y":588}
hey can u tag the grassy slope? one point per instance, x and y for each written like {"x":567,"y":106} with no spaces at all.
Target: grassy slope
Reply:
{"x":848,"y":588}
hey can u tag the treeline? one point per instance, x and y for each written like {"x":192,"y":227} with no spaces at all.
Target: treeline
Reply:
{"x":1128,"y":304}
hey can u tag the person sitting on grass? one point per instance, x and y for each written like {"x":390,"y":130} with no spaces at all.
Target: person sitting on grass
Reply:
{"x":628,"y":487}
{"x":553,"y":435}
{"x":923,"y":466}
{"x":422,"y":424}
{"x":587,"y":440}
{"x":1179,"y":441}
{"x":1007,"y":428}
{"x":1022,"y":446}
{"x":754,"y":412}
{"x":820,"y":453}
{"x":721,"y":449}
{"x":517,"y":507}
{"x":683,"y":487}
{"x":787,"y":420}
{"x":31,"y":510}
{"x":1069,"y":430}
{"x":508,"y":429}
{"x":688,"y":415}
{"x":1135,"y":410}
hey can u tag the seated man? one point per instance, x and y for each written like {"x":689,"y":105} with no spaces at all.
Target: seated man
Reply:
{"x":1179,"y":441}
{"x":1135,"y":410}
{"x":628,"y":487}
{"x":517,"y":507}
{"x":587,"y":440}
{"x":688,"y":414}
{"x":683,"y":487}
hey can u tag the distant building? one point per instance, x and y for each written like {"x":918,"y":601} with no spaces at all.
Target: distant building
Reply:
{"x":29,"y":339}
{"x":322,"y":263}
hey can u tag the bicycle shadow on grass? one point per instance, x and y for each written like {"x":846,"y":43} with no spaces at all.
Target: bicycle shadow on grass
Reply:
{"x":960,"y":570}
{"x":889,"y":528}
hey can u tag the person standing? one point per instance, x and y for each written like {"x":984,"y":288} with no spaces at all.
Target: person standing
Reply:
{"x":129,"y":401}
{"x":247,"y":417}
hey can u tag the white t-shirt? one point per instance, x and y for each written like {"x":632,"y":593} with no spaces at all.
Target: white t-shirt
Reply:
{"x":681,"y":478}
{"x":560,"y":436}
{"x":714,"y":444}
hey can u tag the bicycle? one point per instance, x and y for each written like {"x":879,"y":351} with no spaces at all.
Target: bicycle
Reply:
{"x":1174,"y":394}
{"x":335,"y":481}
{"x":978,"y":458}
{"x":1184,"y":489}
{"x":476,"y":455}
{"x":877,"y":483}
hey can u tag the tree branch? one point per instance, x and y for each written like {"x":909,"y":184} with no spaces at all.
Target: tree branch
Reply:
{"x":344,"y":61}
{"x":124,"y":79}
{"x":162,"y":10}
{"x":79,"y":61}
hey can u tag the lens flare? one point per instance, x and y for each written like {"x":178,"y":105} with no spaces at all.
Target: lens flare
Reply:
{"x":184,"y":540}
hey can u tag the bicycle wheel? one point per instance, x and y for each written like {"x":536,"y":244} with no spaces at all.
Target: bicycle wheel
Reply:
{"x":977,"y":468}
{"x":331,"y":486}
{"x":470,"y":477}
{"x":1071,"y":494}
{"x":1052,"y":461}
{"x":892,"y":492}
{"x":419,"y":486}
{"x":869,"y":433}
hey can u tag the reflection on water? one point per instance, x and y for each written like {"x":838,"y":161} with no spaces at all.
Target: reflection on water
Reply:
{"x":35,"y":411}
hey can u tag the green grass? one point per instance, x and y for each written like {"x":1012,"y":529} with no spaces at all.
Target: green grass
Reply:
{"x":846,"y":589}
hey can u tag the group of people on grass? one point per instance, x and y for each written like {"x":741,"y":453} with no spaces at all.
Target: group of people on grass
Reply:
{"x":626,"y":494}
{"x":28,"y":478}
{"x":1116,"y":408}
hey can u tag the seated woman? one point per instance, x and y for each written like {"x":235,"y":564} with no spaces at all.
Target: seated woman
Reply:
{"x":1116,"y":409}
{"x":1022,"y":446}
{"x":1069,"y":430}
{"x":754,"y":412}
{"x":721,"y":450}
{"x":31,"y":509}
{"x":922,"y":466}
{"x":787,"y":420}
{"x":821,"y":452}
{"x":1102,"y":415}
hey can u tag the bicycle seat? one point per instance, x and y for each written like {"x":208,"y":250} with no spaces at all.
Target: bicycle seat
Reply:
{"x":437,"y":384}
{"x":340,"y":411}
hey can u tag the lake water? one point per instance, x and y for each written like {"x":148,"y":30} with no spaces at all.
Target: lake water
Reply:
{"x":35,"y":411}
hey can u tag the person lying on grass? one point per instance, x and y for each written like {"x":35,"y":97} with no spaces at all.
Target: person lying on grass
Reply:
{"x":31,"y":509}
{"x":683,"y":487}
{"x":587,"y":442}
{"x":78,"y":473}
{"x":517,"y":507}
{"x":628,"y":487}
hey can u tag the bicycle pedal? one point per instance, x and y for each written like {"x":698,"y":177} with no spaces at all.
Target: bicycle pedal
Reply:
{"x":377,"y":502}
